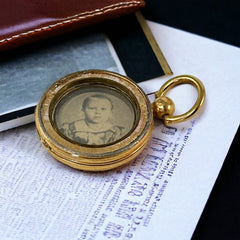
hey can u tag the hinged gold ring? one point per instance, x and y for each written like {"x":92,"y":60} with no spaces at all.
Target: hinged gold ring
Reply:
{"x":163,"y":107}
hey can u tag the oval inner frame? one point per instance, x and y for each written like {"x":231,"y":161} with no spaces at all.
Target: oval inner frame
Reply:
{"x":96,"y":88}
{"x":71,"y":152}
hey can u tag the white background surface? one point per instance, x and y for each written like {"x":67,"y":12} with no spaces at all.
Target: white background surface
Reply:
{"x":217,"y":66}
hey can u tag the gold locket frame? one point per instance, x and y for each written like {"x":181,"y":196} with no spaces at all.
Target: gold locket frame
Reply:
{"x":117,"y":121}
{"x":87,"y":156}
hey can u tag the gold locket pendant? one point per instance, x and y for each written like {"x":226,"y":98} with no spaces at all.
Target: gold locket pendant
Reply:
{"x":98,"y":120}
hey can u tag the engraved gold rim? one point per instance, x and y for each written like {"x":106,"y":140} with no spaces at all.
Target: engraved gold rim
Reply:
{"x":84,"y":157}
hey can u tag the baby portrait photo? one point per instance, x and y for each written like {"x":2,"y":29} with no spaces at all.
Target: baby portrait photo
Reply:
{"x":93,"y":117}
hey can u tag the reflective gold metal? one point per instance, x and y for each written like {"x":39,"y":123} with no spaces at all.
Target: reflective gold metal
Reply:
{"x":98,"y":120}
{"x":164,"y":107}
{"x":94,"y":120}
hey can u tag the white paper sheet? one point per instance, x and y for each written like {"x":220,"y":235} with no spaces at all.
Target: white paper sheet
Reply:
{"x":217,"y":65}
{"x":161,"y":194}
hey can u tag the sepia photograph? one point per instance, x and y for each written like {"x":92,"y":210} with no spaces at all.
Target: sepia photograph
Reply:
{"x":95,"y":116}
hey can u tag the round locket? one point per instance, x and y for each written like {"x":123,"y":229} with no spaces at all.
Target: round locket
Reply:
{"x":94,"y":120}
{"x":97,"y":120}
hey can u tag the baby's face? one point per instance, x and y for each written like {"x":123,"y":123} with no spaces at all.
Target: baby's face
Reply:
{"x":98,"y":110}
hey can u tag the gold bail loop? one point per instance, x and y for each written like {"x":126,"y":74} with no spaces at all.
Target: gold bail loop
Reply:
{"x":163,"y":107}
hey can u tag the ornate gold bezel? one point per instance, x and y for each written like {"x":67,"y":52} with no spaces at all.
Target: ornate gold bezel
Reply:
{"x":94,"y":158}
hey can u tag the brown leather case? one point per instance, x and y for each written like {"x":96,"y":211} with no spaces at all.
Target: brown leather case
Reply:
{"x":26,"y":21}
